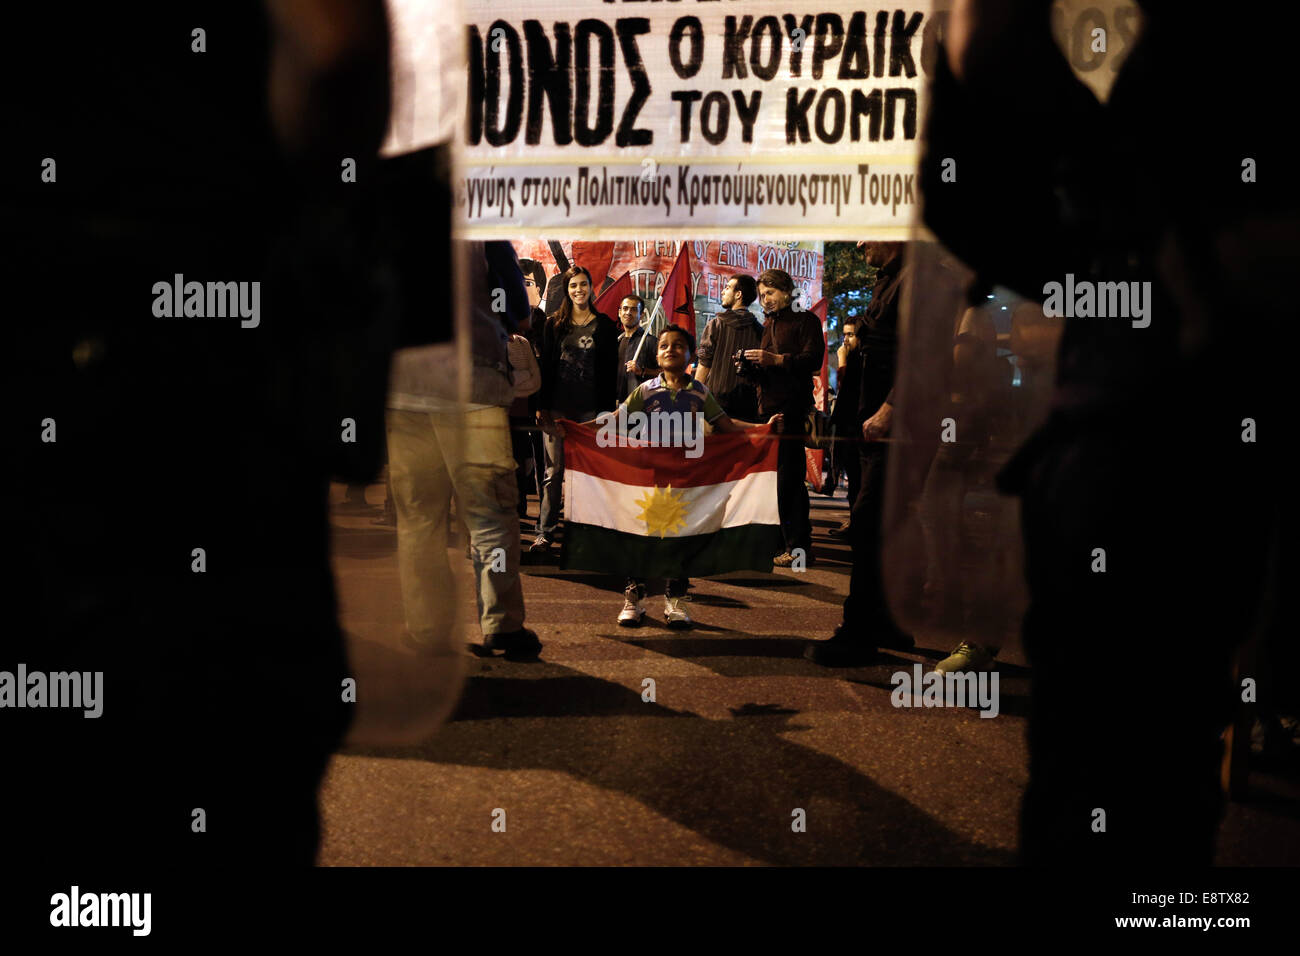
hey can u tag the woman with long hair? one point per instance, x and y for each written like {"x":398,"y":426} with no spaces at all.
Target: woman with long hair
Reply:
{"x":579,"y":381}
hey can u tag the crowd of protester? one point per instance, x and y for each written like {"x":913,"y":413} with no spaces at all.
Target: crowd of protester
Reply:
{"x":576,"y":363}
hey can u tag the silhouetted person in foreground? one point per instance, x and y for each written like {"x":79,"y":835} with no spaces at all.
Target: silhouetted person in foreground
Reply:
{"x":1146,"y":505}
{"x":195,"y":144}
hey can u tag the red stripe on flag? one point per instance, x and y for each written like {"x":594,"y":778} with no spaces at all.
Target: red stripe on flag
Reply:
{"x":725,"y":458}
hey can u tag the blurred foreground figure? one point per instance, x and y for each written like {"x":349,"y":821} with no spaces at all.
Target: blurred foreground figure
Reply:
{"x":1149,"y":497}
{"x":173,"y":533}
{"x":438,"y":446}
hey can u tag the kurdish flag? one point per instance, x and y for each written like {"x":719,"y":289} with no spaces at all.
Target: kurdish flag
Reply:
{"x":653,"y":512}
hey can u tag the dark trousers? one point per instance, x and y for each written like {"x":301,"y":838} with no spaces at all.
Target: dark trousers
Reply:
{"x":527,"y":451}
{"x":791,"y":492}
{"x":741,"y":403}
{"x":845,"y":456}
{"x":865,"y":608}
{"x":1132,"y":665}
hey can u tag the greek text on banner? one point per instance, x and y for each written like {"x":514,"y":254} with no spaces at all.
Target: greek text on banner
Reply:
{"x":752,"y":116}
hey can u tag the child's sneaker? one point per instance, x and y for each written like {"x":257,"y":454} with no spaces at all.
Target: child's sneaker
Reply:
{"x":633,"y":613}
{"x":674,"y":614}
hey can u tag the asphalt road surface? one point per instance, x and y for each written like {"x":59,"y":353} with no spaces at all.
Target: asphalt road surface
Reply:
{"x":748,"y":754}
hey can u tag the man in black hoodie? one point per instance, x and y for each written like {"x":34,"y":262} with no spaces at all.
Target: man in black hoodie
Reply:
{"x":790,"y":354}
{"x":735,"y":328}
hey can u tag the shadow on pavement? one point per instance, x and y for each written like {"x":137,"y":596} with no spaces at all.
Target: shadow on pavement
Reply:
{"x":736,"y":782}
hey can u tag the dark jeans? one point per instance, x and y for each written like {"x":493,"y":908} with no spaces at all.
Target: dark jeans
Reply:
{"x":1132,"y":666}
{"x":528,"y":460}
{"x":845,"y":456}
{"x":791,"y":492}
{"x":741,"y":403}
{"x":865,"y":608}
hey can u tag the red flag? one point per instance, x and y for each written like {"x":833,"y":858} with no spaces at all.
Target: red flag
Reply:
{"x":609,"y":300}
{"x":597,"y":258}
{"x":678,"y":300}
{"x":821,"y":383}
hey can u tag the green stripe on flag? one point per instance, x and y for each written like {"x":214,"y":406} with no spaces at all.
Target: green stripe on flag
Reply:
{"x":749,"y":547}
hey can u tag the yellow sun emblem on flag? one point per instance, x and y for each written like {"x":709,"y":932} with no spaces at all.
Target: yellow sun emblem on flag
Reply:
{"x":663,"y":511}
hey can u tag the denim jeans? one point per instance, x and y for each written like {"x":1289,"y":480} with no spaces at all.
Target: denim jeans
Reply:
{"x":431,"y":455}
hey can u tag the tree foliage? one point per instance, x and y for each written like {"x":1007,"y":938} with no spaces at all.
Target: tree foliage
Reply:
{"x":846,"y":283}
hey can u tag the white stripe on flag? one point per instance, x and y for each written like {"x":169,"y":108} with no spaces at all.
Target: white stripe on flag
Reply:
{"x":708,"y":508}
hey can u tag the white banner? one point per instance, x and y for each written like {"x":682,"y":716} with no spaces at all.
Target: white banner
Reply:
{"x":591,"y":118}
{"x":807,"y":200}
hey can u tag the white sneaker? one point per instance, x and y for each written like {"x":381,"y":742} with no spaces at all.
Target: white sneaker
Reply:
{"x":674,"y":614}
{"x":632,"y":612}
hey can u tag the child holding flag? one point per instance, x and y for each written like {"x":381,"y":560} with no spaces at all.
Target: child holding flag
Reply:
{"x":675,"y":391}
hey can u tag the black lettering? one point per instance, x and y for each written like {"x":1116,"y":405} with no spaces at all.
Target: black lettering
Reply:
{"x":862,"y":104}
{"x":597,"y":134}
{"x":748,"y":112}
{"x":765,"y":71}
{"x":548,"y":76}
{"x":498,"y":135}
{"x":733,"y":50}
{"x":900,"y":44}
{"x":908,"y":97}
{"x":854,"y":65}
{"x":477,"y":87}
{"x":686,"y":98}
{"x":835,"y":131}
{"x":628,"y":30}
{"x":796,"y":114}
{"x":796,"y":56}
{"x":882,"y":29}
{"x":830,"y":37}
{"x":718,"y":133}
{"x":681,"y":27}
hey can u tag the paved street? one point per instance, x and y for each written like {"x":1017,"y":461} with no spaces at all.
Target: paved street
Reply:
{"x":743,"y":732}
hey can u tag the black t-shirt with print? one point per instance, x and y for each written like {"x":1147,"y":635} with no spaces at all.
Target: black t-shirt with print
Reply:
{"x":576,"y":392}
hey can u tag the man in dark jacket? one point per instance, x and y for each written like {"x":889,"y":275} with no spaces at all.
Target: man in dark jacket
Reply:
{"x":867,"y":623}
{"x":790,"y":354}
{"x":735,"y":328}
